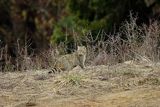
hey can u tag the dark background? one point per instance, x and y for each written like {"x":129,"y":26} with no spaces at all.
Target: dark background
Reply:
{"x":39,"y":23}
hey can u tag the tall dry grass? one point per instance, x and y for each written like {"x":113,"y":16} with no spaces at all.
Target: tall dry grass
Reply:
{"x":132,"y":42}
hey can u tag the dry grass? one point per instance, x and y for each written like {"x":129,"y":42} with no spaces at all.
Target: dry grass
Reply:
{"x":133,"y":42}
{"x":127,"y":85}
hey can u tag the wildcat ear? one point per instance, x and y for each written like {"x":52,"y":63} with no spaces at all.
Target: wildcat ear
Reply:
{"x":78,"y":47}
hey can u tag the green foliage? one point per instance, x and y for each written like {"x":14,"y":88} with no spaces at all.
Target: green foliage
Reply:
{"x":99,"y":13}
{"x":84,"y":15}
{"x":58,"y":35}
{"x":66,"y":28}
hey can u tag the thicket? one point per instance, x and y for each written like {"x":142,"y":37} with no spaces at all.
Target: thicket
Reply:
{"x":36,"y":24}
{"x":41,"y":22}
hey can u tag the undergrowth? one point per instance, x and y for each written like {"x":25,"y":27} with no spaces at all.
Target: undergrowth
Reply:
{"x":132,"y":42}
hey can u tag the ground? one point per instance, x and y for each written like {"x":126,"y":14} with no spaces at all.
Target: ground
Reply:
{"x":122,"y":85}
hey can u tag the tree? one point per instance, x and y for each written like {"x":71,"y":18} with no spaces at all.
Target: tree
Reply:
{"x":94,"y":15}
